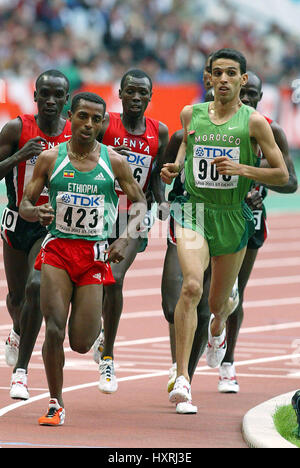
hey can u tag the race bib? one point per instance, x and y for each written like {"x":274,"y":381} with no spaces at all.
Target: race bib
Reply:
{"x":9,"y":220}
{"x":257,"y":215}
{"x":140,"y":165}
{"x":99,"y":251}
{"x":206,"y":174}
{"x":80,"y":215}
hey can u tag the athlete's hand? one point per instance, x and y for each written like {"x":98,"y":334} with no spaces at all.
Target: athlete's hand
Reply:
{"x":254,"y":200}
{"x":122,"y":149}
{"x":116,"y":251}
{"x":32,"y":148}
{"x":169,"y":172}
{"x":45,"y":214}
{"x":225,"y":166}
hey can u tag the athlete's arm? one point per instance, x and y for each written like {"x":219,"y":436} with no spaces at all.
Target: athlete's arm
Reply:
{"x":282,"y":143}
{"x":157,"y":186}
{"x":171,"y":170}
{"x":10,"y":156}
{"x":130,"y":188}
{"x":276,"y":174}
{"x":34,"y":188}
{"x":173,"y":147}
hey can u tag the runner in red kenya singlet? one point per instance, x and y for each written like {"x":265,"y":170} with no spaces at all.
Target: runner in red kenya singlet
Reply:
{"x":21,"y":141}
{"x":142,"y":140}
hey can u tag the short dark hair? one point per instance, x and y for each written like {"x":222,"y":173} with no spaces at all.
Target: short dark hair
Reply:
{"x":87,"y":96}
{"x":231,"y":54}
{"x":136,"y":73}
{"x":55,"y":74}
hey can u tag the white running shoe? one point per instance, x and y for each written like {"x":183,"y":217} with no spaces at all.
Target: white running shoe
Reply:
{"x":186,"y":407}
{"x":235,"y":295}
{"x":227,"y":379}
{"x":98,"y":347}
{"x":18,"y":385}
{"x":172,"y":377}
{"x":108,"y":382}
{"x":12,"y":348}
{"x":181,"y":391}
{"x":216,"y":347}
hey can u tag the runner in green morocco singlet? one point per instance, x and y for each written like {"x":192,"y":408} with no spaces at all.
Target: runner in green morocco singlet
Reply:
{"x":85,"y":203}
{"x":227,"y":222}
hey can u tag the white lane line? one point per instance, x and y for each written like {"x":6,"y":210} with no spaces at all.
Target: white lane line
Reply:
{"x":14,"y":406}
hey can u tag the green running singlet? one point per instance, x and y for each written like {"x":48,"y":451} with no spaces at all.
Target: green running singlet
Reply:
{"x":214,"y":204}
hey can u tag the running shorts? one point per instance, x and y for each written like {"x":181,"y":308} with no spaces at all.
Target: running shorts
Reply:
{"x":78,"y":257}
{"x":226,"y":229}
{"x":18,"y":233}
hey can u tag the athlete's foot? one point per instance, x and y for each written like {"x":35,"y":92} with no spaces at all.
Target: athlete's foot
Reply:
{"x":55,"y":415}
{"x":18,"y":385}
{"x":108,"y":382}
{"x":181,"y":391}
{"x":216,"y":346}
{"x":12,"y":348}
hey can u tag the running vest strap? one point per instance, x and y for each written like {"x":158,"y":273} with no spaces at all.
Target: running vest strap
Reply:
{"x":21,"y":174}
{"x":143,"y":148}
{"x":85,"y":203}
{"x":206,"y":141}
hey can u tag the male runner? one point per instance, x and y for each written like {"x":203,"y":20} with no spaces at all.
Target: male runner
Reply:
{"x":144,"y":140}
{"x":220,"y":145}
{"x":250,"y":95}
{"x":21,"y":142}
{"x":83,"y":207}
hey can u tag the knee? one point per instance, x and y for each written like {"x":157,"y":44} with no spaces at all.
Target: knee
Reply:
{"x":79,"y":346}
{"x":14,"y":299}
{"x":32,"y":291}
{"x":54,"y":333}
{"x":192,"y":290}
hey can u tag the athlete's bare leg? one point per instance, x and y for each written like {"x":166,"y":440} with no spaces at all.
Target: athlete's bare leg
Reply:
{"x":57,"y":291}
{"x":113,"y":297}
{"x":31,"y":316}
{"x":235,"y":320}
{"x":224,"y":271}
{"x":16,"y":270}
{"x":193,"y":257}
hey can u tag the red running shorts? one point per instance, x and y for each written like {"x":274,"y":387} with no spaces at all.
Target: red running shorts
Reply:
{"x":77,"y":258}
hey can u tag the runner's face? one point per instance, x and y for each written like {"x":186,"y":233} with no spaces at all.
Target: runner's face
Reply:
{"x":250,"y":94}
{"x":227,"y":79}
{"x":136,"y":95}
{"x":87,"y":121}
{"x":51,"y":95}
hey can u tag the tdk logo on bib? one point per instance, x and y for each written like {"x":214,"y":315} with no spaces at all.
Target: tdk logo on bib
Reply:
{"x":138,"y":159}
{"x":76,"y":199}
{"x":216,"y":151}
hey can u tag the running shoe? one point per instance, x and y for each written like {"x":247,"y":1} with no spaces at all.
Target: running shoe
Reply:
{"x":18,"y":385}
{"x":12,"y":348}
{"x":186,"y":407}
{"x":108,"y":382}
{"x":55,"y":415}
{"x":227,"y":378}
{"x":172,"y":377}
{"x":181,"y":391}
{"x":216,"y":347}
{"x":98,"y":347}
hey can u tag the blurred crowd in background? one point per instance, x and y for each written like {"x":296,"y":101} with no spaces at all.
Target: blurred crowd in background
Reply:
{"x":98,"y":40}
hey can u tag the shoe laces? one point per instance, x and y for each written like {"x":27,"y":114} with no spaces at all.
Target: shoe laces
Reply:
{"x":107,"y":368}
